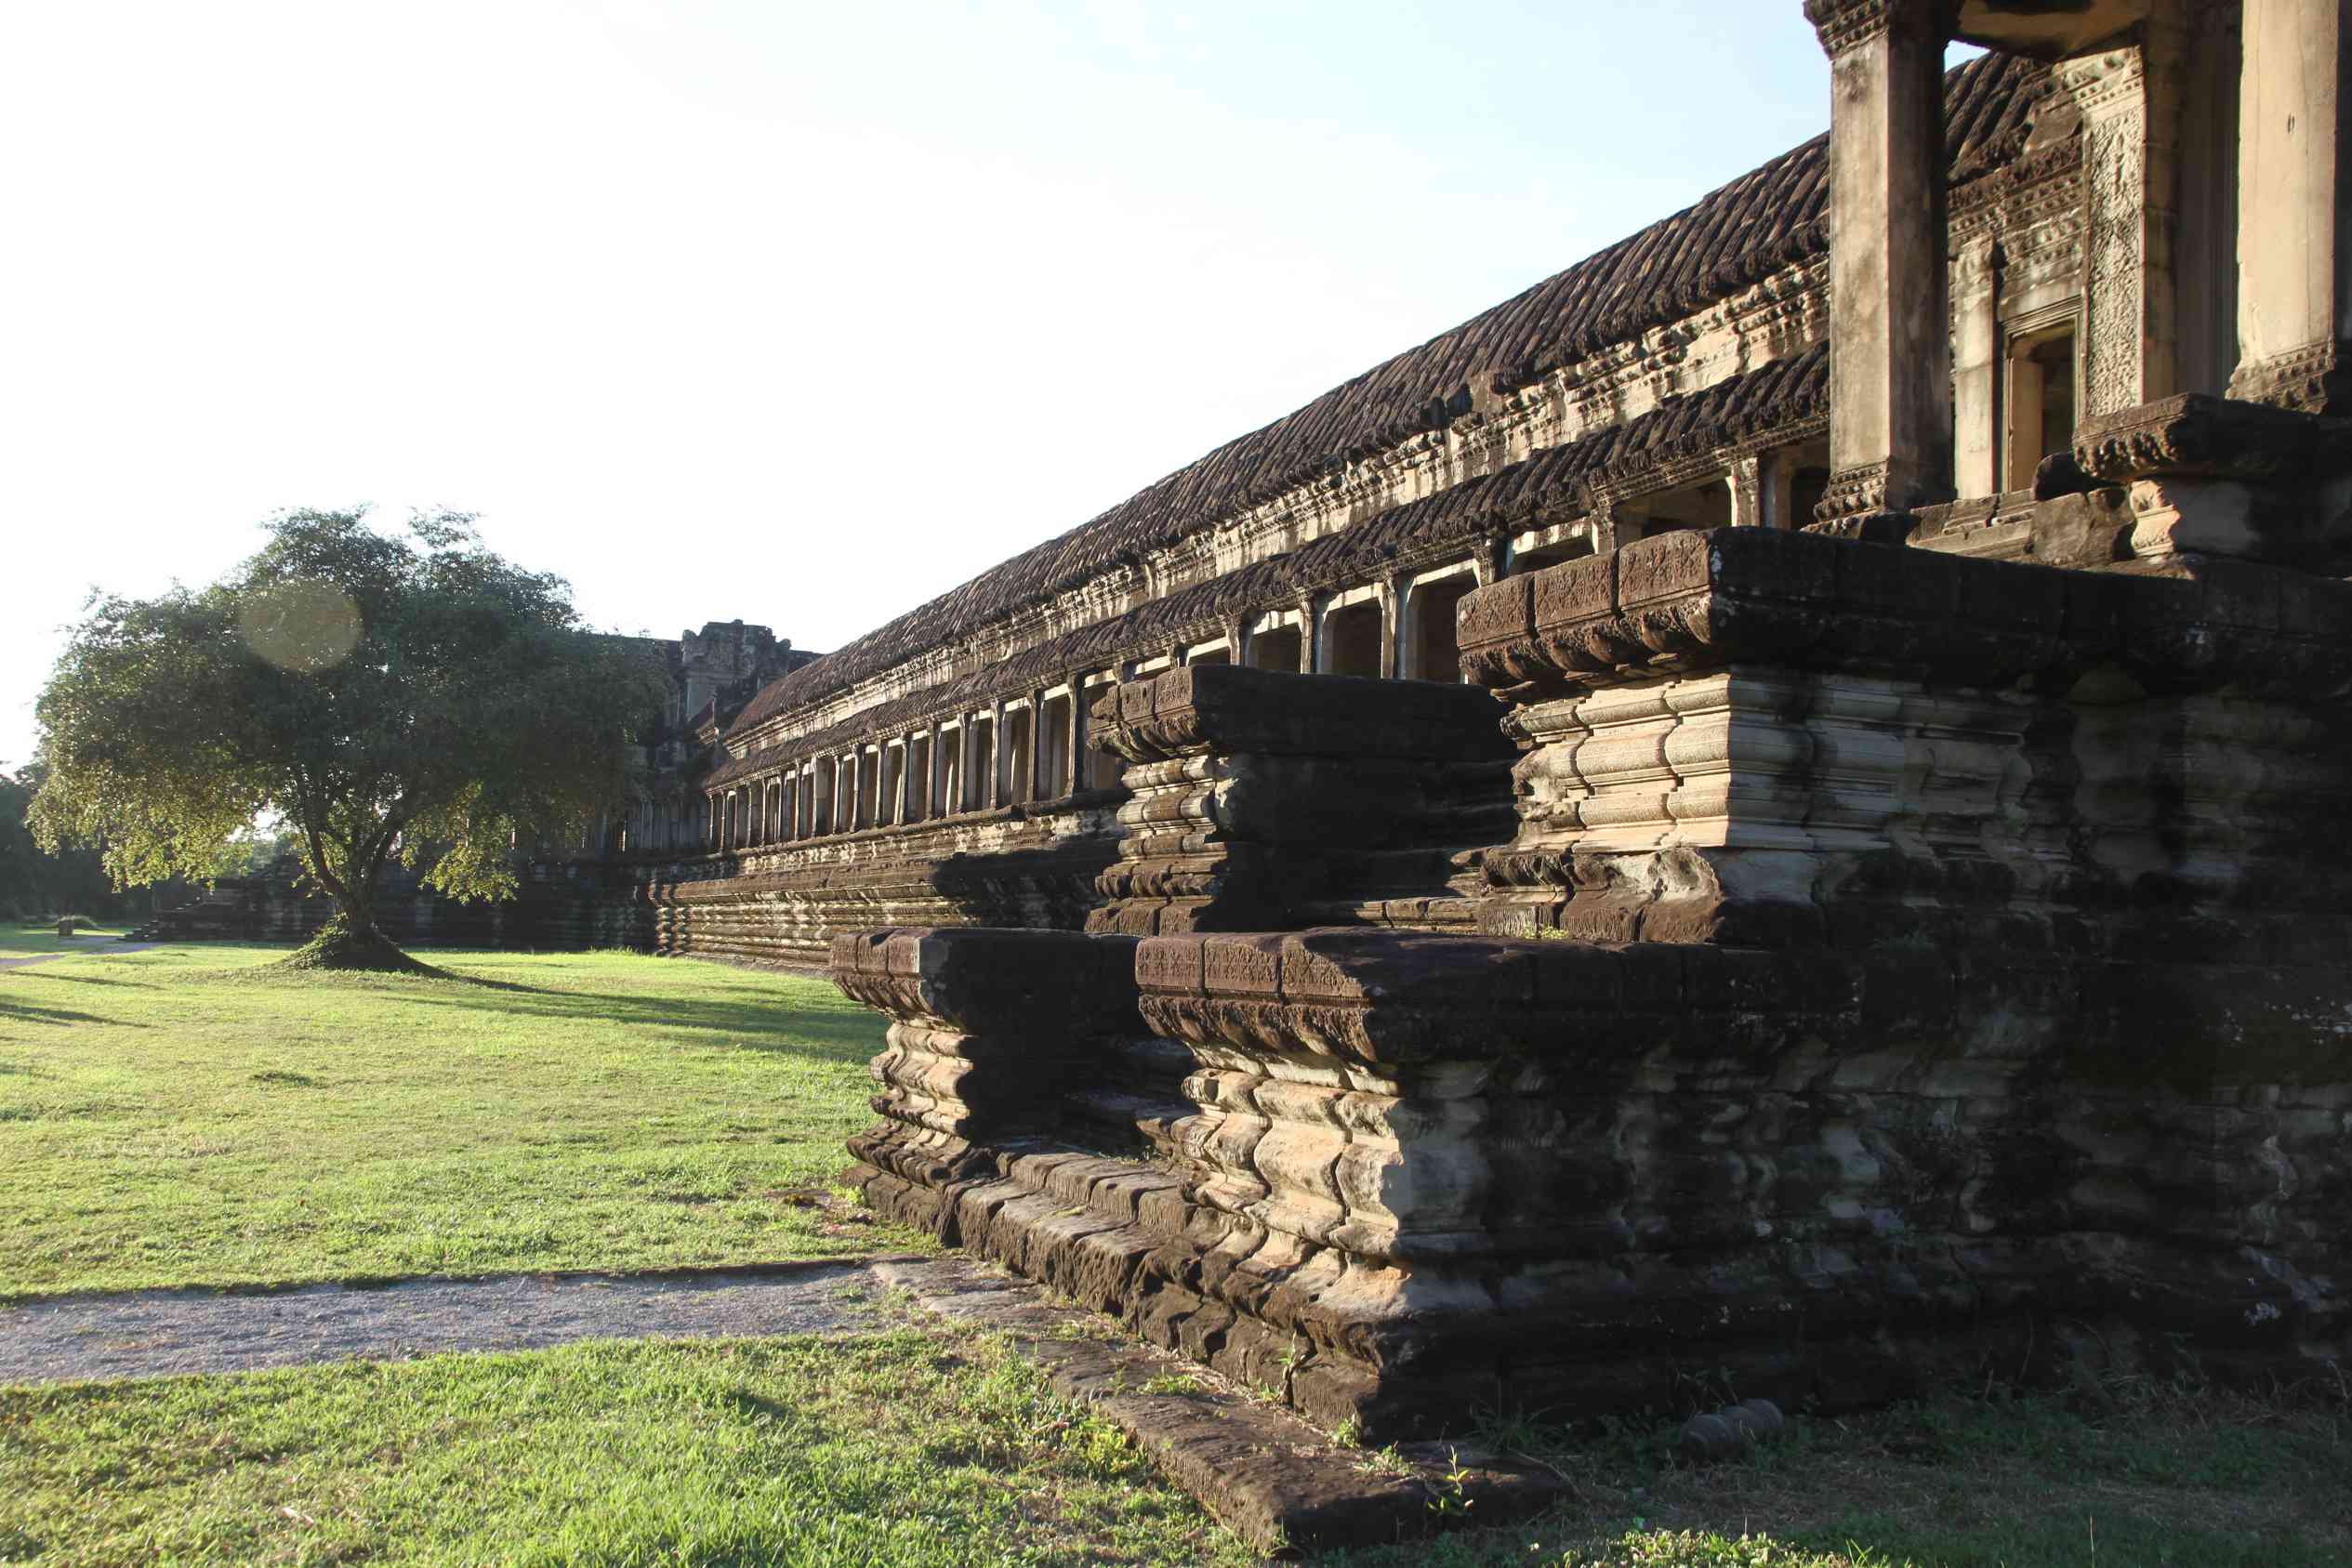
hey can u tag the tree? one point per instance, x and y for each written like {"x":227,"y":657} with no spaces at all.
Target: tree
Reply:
{"x":33,"y":883}
{"x":378,"y":694}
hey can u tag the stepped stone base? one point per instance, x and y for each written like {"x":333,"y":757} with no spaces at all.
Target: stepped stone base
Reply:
{"x":1410,"y":1177}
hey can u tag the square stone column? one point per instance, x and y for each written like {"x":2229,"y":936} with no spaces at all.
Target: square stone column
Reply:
{"x":996,"y":782}
{"x":1040,"y":746}
{"x":1890,"y":287}
{"x":936,"y":758}
{"x":1074,"y":734}
{"x":1977,"y":375}
{"x":2294,"y":247}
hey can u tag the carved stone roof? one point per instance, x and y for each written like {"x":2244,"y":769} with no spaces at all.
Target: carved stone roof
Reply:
{"x":1551,"y":483}
{"x":1751,"y":228}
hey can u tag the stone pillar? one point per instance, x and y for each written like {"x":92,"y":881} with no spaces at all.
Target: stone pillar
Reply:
{"x":1747,"y":482}
{"x":2130,"y":99}
{"x":1392,"y":602}
{"x":1074,"y":735}
{"x":1976,"y":370}
{"x":1890,"y":289}
{"x":1306,"y":635}
{"x":1040,"y":747}
{"x":1602,"y":520}
{"x":2295,"y":229}
{"x":994,"y":783}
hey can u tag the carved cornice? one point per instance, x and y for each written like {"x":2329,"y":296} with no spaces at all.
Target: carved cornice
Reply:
{"x":2196,"y":436}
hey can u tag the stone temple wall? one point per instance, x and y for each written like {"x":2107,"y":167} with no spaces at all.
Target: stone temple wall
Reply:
{"x":1899,"y":957}
{"x":1671,"y":829}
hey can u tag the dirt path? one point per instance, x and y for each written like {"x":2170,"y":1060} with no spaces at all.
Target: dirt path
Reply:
{"x":166,"y":1333}
{"x":93,"y":953}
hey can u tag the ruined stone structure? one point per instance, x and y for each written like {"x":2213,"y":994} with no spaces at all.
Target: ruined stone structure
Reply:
{"x":1760,"y":806}
{"x":1760,"y":809}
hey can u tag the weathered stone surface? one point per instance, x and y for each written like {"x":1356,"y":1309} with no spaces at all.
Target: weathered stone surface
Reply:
{"x":1259,"y":798}
{"x":1416,"y":1172}
{"x":783,"y":903}
{"x":1748,"y":595}
{"x":1265,"y":1473}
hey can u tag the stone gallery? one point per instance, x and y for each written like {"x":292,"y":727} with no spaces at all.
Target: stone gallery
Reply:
{"x":1757,"y":812}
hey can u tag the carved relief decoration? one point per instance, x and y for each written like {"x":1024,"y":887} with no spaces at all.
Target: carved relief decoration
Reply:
{"x":1845,"y":25}
{"x":2110,"y":89}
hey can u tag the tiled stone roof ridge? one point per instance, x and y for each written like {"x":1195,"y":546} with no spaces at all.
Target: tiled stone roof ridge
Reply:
{"x":1761,"y":223}
{"x":1785,"y":392}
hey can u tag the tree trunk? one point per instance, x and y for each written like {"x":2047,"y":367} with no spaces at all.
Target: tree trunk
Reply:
{"x":349,"y":940}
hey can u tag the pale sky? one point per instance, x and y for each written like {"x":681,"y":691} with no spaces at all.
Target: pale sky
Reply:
{"x":790,"y":313}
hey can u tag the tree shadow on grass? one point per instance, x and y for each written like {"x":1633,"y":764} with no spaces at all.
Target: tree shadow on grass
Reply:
{"x":845,"y":1035}
{"x":27,"y":1012}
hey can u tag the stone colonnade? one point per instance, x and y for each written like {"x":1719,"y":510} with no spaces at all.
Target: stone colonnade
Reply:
{"x":1891,"y":427}
{"x":1399,"y":626}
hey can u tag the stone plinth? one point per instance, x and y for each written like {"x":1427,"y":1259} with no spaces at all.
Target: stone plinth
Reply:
{"x":990,"y":1029}
{"x":2212,"y":476}
{"x":1774,"y":740}
{"x":1255,"y":792}
{"x":1411,"y":1176}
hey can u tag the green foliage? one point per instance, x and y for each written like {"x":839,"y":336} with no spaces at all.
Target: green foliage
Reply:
{"x":915,"y":1447}
{"x":202,"y":1116}
{"x":34,"y":882}
{"x":377,"y":695}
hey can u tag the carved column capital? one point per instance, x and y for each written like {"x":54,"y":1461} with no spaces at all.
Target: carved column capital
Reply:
{"x":1845,"y":25}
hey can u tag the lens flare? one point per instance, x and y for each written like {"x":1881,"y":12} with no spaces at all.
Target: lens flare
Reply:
{"x":300,"y":624}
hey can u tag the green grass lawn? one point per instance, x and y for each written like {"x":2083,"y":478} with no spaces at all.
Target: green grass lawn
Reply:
{"x":174,"y":1117}
{"x":932,"y":1446}
{"x":19,"y":941}
{"x":179,"y":1117}
{"x":2121,"y":1474}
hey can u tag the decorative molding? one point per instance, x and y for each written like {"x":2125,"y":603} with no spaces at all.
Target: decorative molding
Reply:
{"x":2313,"y":381}
{"x":1855,"y":494}
{"x":2115,"y":281}
{"x":2195,"y":435}
{"x":1846,"y":25}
